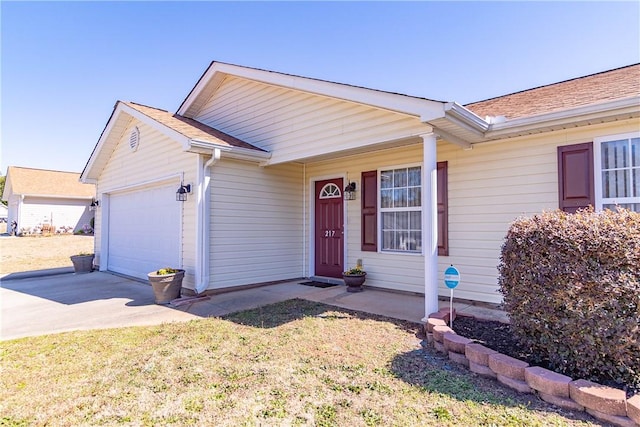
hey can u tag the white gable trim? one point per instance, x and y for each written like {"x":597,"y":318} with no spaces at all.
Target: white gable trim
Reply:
{"x":187,"y":144}
{"x":420,"y":107}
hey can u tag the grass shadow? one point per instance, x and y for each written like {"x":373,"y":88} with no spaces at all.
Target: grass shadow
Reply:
{"x":280,"y":313}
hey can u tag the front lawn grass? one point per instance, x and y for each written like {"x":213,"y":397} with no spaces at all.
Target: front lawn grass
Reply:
{"x":291,"y":363}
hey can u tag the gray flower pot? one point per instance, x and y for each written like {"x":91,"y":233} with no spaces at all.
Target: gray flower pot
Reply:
{"x":354,"y":282}
{"x":166,"y":287}
{"x":82,"y":263}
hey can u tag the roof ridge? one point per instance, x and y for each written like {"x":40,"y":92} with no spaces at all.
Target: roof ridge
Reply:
{"x":552,"y":84}
{"x":146,"y":106}
{"x":40,"y":169}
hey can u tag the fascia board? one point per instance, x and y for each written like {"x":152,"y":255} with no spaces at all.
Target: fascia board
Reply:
{"x":246,"y":154}
{"x":238,"y":153}
{"x":166,"y":130}
{"x":629,"y":106}
{"x":465,"y":117}
{"x":419,"y":107}
{"x":50,"y":196}
{"x":122,"y":108}
{"x":85,"y":176}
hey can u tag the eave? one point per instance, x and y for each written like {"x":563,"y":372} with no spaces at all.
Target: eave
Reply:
{"x":462,"y":127}
{"x":423,"y":108}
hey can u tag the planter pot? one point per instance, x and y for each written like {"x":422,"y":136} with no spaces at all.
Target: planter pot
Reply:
{"x":166,"y":287}
{"x":82,"y":263}
{"x":354,"y":282}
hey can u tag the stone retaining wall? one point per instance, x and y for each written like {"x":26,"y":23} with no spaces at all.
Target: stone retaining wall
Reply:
{"x":604,"y":403}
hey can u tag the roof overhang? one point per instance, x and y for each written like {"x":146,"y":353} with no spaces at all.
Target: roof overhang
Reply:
{"x":120,"y":120}
{"x":213,"y":77}
{"x":463,"y":127}
{"x":57,"y":196}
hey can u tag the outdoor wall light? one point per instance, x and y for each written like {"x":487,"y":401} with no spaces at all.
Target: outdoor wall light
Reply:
{"x":350,"y":191}
{"x":94,"y":204}
{"x":181,"y":194}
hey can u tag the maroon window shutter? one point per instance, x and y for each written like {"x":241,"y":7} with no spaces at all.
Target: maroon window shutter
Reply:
{"x":443,"y":210}
{"x":575,"y":177}
{"x":369,"y":184}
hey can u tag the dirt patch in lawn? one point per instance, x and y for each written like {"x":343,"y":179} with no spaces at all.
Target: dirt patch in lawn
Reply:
{"x":37,"y":253}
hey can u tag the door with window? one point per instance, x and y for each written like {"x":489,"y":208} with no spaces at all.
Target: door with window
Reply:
{"x":329,"y":228}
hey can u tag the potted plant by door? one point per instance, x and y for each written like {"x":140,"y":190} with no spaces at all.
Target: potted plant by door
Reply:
{"x":82,"y":263}
{"x":166,"y":284}
{"x":354,"y":279}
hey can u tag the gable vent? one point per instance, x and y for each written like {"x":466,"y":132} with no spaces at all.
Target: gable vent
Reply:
{"x":134,"y":138}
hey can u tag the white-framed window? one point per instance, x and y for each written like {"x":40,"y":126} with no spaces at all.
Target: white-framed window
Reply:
{"x":400,"y":192}
{"x":617,"y":171}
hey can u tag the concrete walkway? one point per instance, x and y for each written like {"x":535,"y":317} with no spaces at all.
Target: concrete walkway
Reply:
{"x":66,"y":302}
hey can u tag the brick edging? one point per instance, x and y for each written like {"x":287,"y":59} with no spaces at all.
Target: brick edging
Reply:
{"x":602,"y":402}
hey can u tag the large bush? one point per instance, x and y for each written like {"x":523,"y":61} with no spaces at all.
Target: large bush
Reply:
{"x":571,"y":286}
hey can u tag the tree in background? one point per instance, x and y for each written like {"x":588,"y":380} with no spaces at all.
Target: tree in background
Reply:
{"x":2,"y":179}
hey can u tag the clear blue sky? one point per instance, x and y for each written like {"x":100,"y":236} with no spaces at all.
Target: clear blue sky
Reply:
{"x":64,"y":65}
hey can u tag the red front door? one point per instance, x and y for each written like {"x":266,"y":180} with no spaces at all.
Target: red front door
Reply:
{"x":329,"y":234}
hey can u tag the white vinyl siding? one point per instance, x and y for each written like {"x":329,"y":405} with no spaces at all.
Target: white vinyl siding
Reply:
{"x":256,"y":223}
{"x":157,"y":161}
{"x":295,"y":125}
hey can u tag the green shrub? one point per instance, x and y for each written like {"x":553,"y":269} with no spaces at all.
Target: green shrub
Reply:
{"x":571,"y":286}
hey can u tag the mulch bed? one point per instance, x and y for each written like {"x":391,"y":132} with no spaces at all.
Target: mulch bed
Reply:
{"x":497,"y":336}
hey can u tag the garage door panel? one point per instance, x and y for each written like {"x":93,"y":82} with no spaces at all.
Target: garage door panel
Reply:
{"x":144,"y":231}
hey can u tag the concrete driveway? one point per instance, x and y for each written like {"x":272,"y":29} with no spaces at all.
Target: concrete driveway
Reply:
{"x":66,"y":302}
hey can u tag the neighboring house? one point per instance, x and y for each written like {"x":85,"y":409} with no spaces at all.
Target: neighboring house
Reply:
{"x":43,"y":198}
{"x":268,"y":157}
{"x":4,"y":213}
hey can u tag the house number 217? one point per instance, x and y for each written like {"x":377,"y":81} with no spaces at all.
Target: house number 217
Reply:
{"x":329,"y":233}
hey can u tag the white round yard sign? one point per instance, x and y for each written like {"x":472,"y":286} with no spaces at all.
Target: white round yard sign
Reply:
{"x":451,"y":277}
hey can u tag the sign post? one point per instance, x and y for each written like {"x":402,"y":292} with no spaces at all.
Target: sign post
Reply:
{"x":451,"y":280}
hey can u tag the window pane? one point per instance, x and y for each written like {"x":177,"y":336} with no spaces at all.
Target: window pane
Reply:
{"x":386,"y":179}
{"x":415,"y":239}
{"x":387,"y":240}
{"x":400,"y":198}
{"x":614,"y":154}
{"x":636,"y":182}
{"x":631,"y":206}
{"x":400,"y":178}
{"x":386,"y":198}
{"x":413,"y":197}
{"x":615,"y":184}
{"x":635,"y":152}
{"x":388,"y":221}
{"x":402,"y":220}
{"x":414,"y":176}
{"x":415,"y":220}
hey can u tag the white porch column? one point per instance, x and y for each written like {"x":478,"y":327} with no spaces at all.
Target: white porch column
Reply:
{"x":430,"y":223}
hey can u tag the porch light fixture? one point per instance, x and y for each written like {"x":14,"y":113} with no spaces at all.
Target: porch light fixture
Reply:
{"x":94,"y":204}
{"x":181,"y":194}
{"x":350,"y":191}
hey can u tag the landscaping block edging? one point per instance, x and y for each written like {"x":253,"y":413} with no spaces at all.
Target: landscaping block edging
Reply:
{"x":602,"y":402}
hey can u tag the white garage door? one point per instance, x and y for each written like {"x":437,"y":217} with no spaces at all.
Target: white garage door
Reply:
{"x":144,"y":231}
